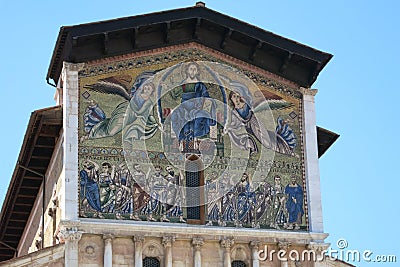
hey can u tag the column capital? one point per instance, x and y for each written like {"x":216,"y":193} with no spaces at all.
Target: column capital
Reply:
{"x":73,"y":66}
{"x":254,"y":244}
{"x":197,"y":242}
{"x":138,"y":238}
{"x":308,"y":91}
{"x":69,"y":234}
{"x":167,"y":241}
{"x":227,"y":243}
{"x":108,"y":237}
{"x":283,"y":245}
{"x":318,"y":247}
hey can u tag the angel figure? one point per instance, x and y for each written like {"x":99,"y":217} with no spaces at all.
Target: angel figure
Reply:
{"x":134,"y":111}
{"x":282,"y":140}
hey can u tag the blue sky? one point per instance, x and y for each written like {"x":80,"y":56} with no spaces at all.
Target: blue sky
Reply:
{"x":358,"y":94}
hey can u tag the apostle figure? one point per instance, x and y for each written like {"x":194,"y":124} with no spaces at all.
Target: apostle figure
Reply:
{"x":90,"y":193}
{"x":294,"y":204}
{"x":156,"y":185}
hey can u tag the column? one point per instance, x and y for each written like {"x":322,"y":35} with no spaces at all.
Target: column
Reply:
{"x":197,"y":243}
{"x":254,"y":245}
{"x":319,"y":250}
{"x":108,"y":253}
{"x":226,"y":245}
{"x":311,"y":161}
{"x":69,"y":196}
{"x":283,"y":246}
{"x":167,"y":243}
{"x":138,"y":240}
{"x":70,"y":237}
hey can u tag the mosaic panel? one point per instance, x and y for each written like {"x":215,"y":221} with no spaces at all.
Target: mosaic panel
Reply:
{"x":141,"y":119}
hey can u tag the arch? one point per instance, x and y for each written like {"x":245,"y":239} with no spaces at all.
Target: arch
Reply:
{"x":154,"y":250}
{"x":240,"y":255}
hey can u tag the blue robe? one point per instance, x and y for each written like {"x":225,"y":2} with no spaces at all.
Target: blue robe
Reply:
{"x":190,"y":120}
{"x":295,"y":210}
{"x":90,"y":191}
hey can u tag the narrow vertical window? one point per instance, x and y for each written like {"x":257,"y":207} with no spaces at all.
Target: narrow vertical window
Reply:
{"x":194,"y":190}
{"x":151,"y":262}
{"x":238,"y":264}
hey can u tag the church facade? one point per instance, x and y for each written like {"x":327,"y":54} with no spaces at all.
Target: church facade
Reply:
{"x":180,"y":138}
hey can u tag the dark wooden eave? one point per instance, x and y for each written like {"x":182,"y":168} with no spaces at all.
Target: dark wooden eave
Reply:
{"x":289,"y":59}
{"x":325,"y":139}
{"x":37,"y":149}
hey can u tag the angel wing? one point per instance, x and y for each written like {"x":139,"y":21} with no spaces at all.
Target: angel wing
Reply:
{"x":266,"y":100}
{"x":116,"y":85}
{"x":272,"y":104}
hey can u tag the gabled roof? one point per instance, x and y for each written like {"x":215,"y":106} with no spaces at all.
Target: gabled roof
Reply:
{"x":289,"y":59}
{"x":37,"y":149}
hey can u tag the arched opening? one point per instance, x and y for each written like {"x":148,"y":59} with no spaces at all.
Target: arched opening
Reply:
{"x":194,"y":190}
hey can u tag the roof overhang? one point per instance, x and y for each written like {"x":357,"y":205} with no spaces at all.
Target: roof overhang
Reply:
{"x":37,"y":149}
{"x":81,"y":43}
{"x":325,"y":139}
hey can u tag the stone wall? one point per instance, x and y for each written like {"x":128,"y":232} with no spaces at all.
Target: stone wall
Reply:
{"x":52,"y":256}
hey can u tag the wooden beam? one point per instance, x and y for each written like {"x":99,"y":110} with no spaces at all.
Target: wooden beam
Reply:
{"x":37,"y":168}
{"x":106,"y":45}
{"x":17,"y":220}
{"x":26,"y":196}
{"x":35,"y":178}
{"x":226,"y":38}
{"x":285,"y":62}
{"x":30,"y":187}
{"x":53,"y":123}
{"x":75,"y":41}
{"x":41,"y":157}
{"x":313,"y":75}
{"x":15,"y":227}
{"x":254,"y":50}
{"x":167,"y":31}
{"x":135,"y":34}
{"x":18,"y":213}
{"x":11,"y":235}
{"x":53,"y":135}
{"x":197,"y":29}
{"x":44,"y":146}
{"x":23,"y":204}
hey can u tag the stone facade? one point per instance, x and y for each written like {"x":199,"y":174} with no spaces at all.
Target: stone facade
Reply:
{"x":92,"y":215}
